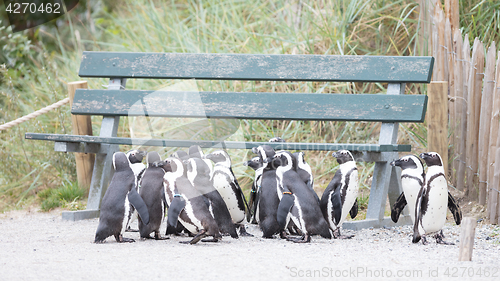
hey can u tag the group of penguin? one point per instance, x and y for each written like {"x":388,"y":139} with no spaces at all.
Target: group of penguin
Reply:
{"x":205,"y":201}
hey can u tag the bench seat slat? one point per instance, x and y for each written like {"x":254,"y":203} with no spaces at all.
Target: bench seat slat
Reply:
{"x":389,"y":69}
{"x":276,"y":106}
{"x":218,"y":144}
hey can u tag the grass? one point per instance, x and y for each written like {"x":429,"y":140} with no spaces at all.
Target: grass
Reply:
{"x":36,"y":72}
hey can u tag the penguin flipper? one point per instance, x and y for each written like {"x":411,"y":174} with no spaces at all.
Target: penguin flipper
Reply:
{"x":398,"y":207}
{"x":337,"y":205}
{"x":418,"y":217}
{"x":354,"y":210}
{"x":284,"y":208}
{"x":175,"y":209}
{"x":454,"y":209}
{"x":251,"y":202}
{"x":136,"y":200}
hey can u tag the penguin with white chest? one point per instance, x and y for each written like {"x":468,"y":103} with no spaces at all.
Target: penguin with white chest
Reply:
{"x":198,"y":173}
{"x":135,"y":158}
{"x":298,"y":202}
{"x":115,"y":205}
{"x":305,"y":171}
{"x":225,"y":182}
{"x":186,"y":204}
{"x":153,"y":194}
{"x":267,"y":194}
{"x":433,"y":201}
{"x":340,"y":196}
{"x":412,"y":180}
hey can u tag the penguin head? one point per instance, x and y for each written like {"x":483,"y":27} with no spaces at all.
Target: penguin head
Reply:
{"x":265,"y":153}
{"x":174,"y":165}
{"x":220,"y":156}
{"x":152,"y":157}
{"x":255,"y":163}
{"x":195,"y":151}
{"x":180,"y":154}
{"x":300,"y":157}
{"x":284,"y":159}
{"x":343,"y":156}
{"x":135,"y":156}
{"x":408,"y":162}
{"x":120,"y":161}
{"x":431,"y":159}
{"x":196,"y":166}
{"x":276,"y":139}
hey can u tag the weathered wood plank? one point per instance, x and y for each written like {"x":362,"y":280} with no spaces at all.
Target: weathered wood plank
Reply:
{"x":437,"y":120}
{"x":82,"y":125}
{"x":277,"y":106}
{"x":257,"y":67}
{"x":220,"y":144}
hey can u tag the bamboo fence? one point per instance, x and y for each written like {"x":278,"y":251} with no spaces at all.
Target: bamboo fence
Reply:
{"x":473,"y":103}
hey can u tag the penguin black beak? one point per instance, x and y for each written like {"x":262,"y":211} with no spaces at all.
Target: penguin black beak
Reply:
{"x":393,"y":163}
{"x":255,"y":150}
{"x":268,"y":160}
{"x":424,"y":155}
{"x":246,"y":163}
{"x":335,"y":154}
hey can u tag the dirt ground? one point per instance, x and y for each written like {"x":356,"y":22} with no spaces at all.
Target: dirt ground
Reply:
{"x":41,"y":246}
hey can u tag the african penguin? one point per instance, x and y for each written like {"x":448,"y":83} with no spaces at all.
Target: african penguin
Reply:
{"x":186,"y":204}
{"x":135,"y":158}
{"x":180,"y":154}
{"x":412,"y":180}
{"x":267,"y":195}
{"x":339,"y":197}
{"x":153,"y":194}
{"x":198,"y":174}
{"x":276,"y":139}
{"x":305,"y":171}
{"x":196,"y":152}
{"x":298,"y":201}
{"x":115,"y":205}
{"x":432,"y":202}
{"x":257,"y":165}
{"x":225,"y":182}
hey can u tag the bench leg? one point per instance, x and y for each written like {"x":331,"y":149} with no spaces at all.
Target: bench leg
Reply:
{"x":103,"y":171}
{"x":386,"y":182}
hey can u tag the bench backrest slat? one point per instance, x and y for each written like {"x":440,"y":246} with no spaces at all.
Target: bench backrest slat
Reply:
{"x":276,"y":106}
{"x":325,"y":68}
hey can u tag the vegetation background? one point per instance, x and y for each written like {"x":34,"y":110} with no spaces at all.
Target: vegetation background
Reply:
{"x":36,"y":65}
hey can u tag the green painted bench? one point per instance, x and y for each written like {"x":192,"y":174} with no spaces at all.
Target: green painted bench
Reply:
{"x":390,"y":109}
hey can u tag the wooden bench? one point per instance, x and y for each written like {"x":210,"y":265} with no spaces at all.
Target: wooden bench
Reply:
{"x":115,"y":102}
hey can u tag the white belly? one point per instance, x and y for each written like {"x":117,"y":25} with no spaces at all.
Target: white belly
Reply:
{"x":350,"y":197}
{"x":227,"y":194}
{"x":435,"y":216}
{"x":411,"y":188}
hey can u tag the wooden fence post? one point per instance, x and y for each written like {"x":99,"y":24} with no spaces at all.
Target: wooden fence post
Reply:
{"x":494,"y":138}
{"x":465,"y":86}
{"x":485,"y":121}
{"x":82,"y":125}
{"x":467,"y":233}
{"x":473,"y":109}
{"x":437,"y":120}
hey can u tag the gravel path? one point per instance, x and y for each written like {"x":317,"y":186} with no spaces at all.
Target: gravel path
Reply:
{"x":41,"y":246}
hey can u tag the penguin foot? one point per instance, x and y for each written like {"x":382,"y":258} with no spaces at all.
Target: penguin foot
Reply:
{"x":345,"y":237}
{"x":306,"y":238}
{"x":440,"y":239}
{"x":282,"y":234}
{"x":243,"y":232}
{"x":158,"y":237}
{"x":202,"y":234}
{"x":210,"y":240}
{"x":424,"y":240}
{"x":121,"y":239}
